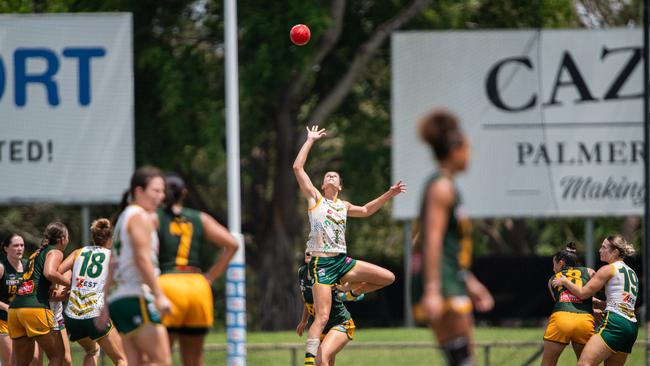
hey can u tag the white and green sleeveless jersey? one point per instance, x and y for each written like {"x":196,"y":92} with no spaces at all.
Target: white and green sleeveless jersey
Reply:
{"x":327,"y":220}
{"x":89,"y":274}
{"x":126,"y":276}
{"x":621,"y":290}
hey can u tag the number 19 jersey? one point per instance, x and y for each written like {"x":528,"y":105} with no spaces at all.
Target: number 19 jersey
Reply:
{"x":89,"y":274}
{"x":621,"y":290}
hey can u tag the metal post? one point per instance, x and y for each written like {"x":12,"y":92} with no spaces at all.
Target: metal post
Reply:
{"x":646,"y":171}
{"x":235,"y":275}
{"x":294,"y":356}
{"x":85,"y":225}
{"x":486,"y":355}
{"x":589,"y":243}
{"x":408,"y":306}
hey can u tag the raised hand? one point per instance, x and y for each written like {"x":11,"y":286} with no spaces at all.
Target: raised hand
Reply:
{"x":314,"y":133}
{"x":398,"y":188}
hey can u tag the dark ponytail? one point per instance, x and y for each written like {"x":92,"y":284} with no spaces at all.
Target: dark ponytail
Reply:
{"x":53,"y":233}
{"x":568,"y":255}
{"x":175,"y":191}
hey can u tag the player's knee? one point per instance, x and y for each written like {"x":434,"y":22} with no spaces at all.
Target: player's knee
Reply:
{"x":325,"y":358}
{"x":321,"y":318}
{"x":584,"y":363}
{"x":93,"y":351}
{"x":389,"y":278}
{"x":457,"y":352}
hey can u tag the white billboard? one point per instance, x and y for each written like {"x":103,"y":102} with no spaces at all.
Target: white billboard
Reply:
{"x":66,"y":107}
{"x":555,"y":118}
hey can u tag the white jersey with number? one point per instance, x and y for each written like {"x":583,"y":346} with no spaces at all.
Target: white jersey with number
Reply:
{"x":327,"y":220}
{"x":621,"y":290}
{"x":89,"y":274}
{"x":126,"y":276}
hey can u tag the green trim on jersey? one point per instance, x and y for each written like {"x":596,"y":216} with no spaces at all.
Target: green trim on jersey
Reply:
{"x":10,"y":282}
{"x":34,"y":291}
{"x":180,"y":238}
{"x":564,"y":299}
{"x":338,"y":313}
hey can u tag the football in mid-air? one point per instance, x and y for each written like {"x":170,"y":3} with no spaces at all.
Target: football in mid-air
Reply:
{"x":300,"y":34}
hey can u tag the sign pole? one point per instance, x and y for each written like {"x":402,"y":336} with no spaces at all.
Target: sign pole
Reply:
{"x":236,"y":272}
{"x":646,"y":174}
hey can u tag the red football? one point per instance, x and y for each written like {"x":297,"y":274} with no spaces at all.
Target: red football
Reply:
{"x":300,"y":34}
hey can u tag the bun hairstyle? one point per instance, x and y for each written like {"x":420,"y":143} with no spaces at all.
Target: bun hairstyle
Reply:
{"x":568,"y":255}
{"x":100,"y":231}
{"x":625,"y":249}
{"x":53,"y":233}
{"x":440,"y":129}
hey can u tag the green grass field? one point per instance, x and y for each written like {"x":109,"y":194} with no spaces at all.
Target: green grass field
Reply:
{"x":380,"y":357}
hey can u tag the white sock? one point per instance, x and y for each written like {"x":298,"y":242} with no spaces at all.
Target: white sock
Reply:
{"x":311,"y":346}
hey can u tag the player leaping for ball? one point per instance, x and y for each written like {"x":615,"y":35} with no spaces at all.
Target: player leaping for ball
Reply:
{"x":329,"y":264}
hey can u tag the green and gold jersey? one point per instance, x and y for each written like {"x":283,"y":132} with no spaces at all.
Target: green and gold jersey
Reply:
{"x":34,"y":290}
{"x":10,"y":283}
{"x":338,"y":313}
{"x":456,"y":251}
{"x":564,"y":299}
{"x":180,"y":238}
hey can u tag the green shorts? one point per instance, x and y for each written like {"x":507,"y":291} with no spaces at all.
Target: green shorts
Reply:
{"x":129,"y":313}
{"x":329,"y":270}
{"x":618,"y":333}
{"x":82,"y":328}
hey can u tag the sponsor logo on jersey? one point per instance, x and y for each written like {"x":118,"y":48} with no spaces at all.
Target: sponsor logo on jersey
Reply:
{"x":567,"y":296}
{"x":26,"y":288}
{"x":82,"y":282}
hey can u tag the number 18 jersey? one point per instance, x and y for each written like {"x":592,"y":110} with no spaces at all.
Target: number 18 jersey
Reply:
{"x":89,"y":274}
{"x":567,"y":301}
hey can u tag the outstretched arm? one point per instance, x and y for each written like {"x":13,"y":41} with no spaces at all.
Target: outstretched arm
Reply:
{"x":374,"y":205}
{"x":306,"y":186}
{"x":594,"y":285}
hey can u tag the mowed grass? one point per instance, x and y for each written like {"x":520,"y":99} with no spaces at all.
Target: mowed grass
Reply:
{"x":387,"y":356}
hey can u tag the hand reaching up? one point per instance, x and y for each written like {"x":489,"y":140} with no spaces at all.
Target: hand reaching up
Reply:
{"x":398,"y":188}
{"x":314,"y":133}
